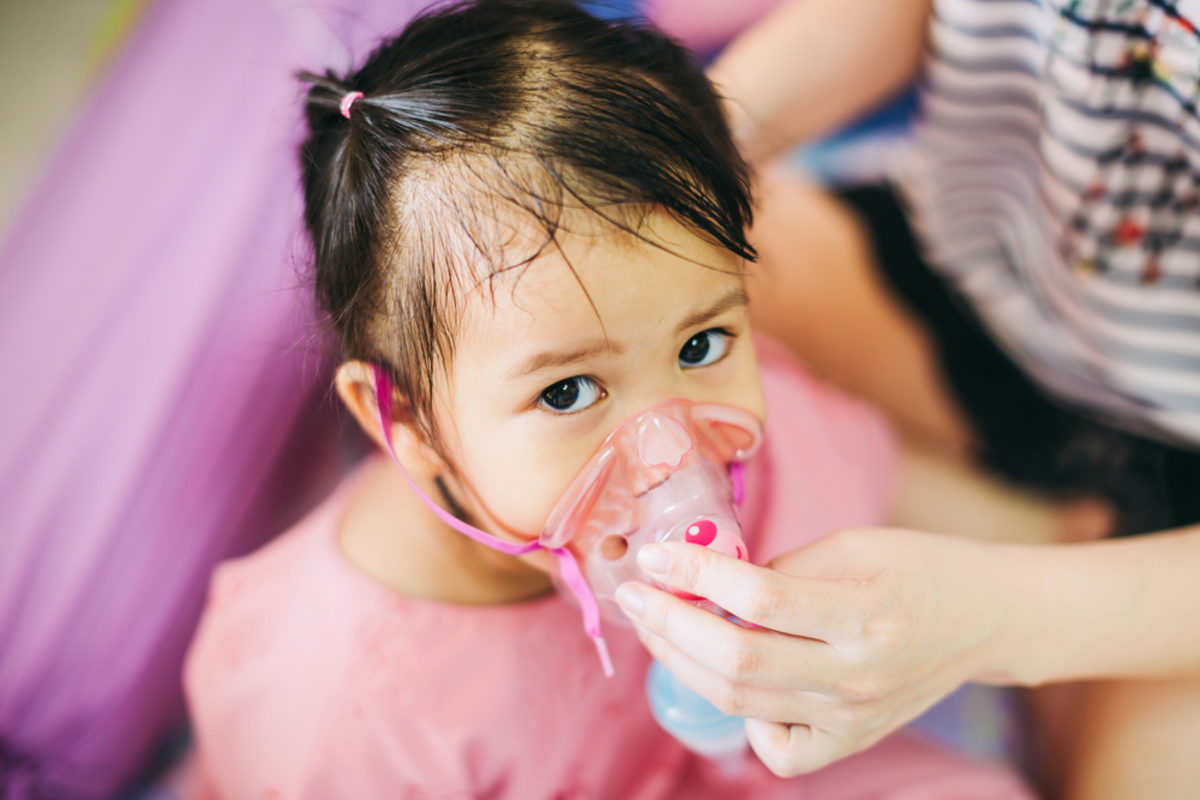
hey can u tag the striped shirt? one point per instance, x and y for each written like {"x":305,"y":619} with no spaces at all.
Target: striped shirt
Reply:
{"x":1054,"y":179}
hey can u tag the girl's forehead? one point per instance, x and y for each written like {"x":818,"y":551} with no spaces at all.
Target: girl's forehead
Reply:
{"x":599,"y":279}
{"x":516,"y":250}
{"x":489,"y":216}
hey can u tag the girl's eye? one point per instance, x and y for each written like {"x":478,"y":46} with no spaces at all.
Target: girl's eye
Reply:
{"x":706,"y":347}
{"x":571,"y":395}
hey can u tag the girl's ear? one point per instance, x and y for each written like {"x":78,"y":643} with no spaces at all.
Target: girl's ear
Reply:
{"x":355,"y":382}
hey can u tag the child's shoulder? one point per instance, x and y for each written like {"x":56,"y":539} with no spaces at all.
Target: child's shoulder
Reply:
{"x":248,"y":585}
{"x":300,"y":650}
{"x":254,"y":600}
{"x":299,"y":597}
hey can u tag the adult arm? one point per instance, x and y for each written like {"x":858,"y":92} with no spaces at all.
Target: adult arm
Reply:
{"x":811,"y":65}
{"x":865,"y":629}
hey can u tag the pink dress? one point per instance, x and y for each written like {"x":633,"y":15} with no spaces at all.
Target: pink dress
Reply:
{"x":308,"y":679}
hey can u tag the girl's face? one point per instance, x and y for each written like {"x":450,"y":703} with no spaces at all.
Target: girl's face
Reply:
{"x":540,"y":377}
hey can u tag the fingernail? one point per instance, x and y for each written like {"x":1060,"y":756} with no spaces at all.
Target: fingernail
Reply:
{"x":655,"y":558}
{"x":631,"y":597}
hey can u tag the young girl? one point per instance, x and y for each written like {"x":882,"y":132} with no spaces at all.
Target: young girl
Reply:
{"x":528,"y":228}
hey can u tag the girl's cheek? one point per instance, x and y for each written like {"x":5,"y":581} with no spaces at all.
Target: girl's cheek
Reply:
{"x":527,"y":502}
{"x":521,"y":480}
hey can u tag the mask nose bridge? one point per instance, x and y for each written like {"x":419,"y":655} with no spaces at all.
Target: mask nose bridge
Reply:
{"x":662,"y":441}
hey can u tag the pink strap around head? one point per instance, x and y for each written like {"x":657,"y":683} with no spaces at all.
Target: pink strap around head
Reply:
{"x":571,"y":575}
{"x":347,"y":101}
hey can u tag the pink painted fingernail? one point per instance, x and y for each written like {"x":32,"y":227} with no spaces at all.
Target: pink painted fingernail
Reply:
{"x":655,"y":558}
{"x":631,"y":597}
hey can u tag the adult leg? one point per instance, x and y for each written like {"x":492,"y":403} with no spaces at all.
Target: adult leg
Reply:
{"x":1135,"y":739}
{"x":817,"y":289}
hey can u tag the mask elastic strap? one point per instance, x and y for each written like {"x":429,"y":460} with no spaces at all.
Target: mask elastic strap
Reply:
{"x":569,"y":567}
{"x":737,"y":478}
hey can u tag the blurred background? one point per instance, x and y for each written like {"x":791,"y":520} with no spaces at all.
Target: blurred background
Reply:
{"x":53,"y":51}
{"x":50,"y":53}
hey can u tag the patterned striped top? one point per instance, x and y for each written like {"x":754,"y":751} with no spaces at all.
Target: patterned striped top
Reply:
{"x":1055,"y":179}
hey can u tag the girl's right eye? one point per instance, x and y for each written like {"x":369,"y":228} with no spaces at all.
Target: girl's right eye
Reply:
{"x":572,"y":395}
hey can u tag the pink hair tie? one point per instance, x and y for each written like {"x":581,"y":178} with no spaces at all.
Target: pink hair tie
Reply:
{"x":347,"y":101}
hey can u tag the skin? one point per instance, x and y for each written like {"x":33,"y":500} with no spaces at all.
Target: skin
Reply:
{"x":811,"y":65}
{"x":513,"y":456}
{"x":867,"y":628}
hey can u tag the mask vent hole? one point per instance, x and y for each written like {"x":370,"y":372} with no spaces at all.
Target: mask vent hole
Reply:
{"x":614,"y":547}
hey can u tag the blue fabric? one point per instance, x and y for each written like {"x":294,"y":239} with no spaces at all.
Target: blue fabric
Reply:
{"x":613,"y":9}
{"x":981,"y":721}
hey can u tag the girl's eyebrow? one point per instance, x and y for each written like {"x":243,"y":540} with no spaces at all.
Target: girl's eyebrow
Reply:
{"x":734,"y":298}
{"x":558,"y":360}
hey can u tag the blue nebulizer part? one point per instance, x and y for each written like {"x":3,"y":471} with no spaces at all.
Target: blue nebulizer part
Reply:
{"x":696,"y":723}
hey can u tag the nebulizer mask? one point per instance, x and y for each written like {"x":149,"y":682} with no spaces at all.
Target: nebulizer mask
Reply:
{"x":669,"y":473}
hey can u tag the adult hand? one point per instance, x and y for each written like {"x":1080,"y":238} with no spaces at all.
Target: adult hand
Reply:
{"x":860,"y":632}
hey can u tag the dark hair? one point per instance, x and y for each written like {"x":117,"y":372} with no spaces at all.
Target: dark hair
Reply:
{"x":542,"y":103}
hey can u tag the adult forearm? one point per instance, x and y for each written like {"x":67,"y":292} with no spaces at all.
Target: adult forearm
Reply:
{"x":811,"y":65}
{"x":1124,"y":608}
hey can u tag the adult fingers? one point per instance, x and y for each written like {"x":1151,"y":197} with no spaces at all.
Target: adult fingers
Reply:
{"x":740,"y":699}
{"x":756,"y":656}
{"x":816,"y":609}
{"x":790,"y":750}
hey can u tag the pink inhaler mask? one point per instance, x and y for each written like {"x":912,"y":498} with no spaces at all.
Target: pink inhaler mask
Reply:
{"x":669,"y":473}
